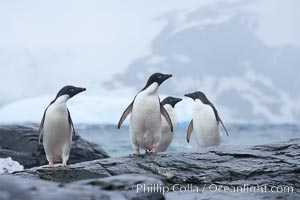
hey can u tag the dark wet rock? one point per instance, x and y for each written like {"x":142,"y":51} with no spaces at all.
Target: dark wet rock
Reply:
{"x":206,"y":195}
{"x":224,"y":166}
{"x":264,"y":164}
{"x":106,"y":188}
{"x":20,"y":143}
{"x":224,"y":172}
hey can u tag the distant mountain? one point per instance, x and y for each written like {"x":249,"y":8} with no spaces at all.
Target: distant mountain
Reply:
{"x":215,"y":49}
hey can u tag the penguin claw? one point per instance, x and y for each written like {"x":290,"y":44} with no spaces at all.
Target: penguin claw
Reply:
{"x":153,"y":151}
{"x":64,"y":164}
{"x":50,"y":165}
{"x":135,"y":153}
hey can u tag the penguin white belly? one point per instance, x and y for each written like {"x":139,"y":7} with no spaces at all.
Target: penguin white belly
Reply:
{"x":206,"y":127}
{"x":166,"y":134}
{"x":57,"y":136}
{"x":145,"y":121}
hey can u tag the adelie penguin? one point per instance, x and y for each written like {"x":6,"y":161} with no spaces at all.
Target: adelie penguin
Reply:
{"x":146,"y":116}
{"x":205,"y":121}
{"x":57,"y":128}
{"x":166,"y":134}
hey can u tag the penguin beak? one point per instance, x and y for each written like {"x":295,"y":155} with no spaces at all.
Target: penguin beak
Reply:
{"x":190,"y":95}
{"x":80,"y":90}
{"x":167,"y":76}
{"x":177,"y":100}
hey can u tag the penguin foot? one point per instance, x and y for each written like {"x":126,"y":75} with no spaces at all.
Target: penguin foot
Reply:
{"x":50,"y":165}
{"x":153,"y":151}
{"x":63,"y":164}
{"x":147,"y":152}
{"x":135,"y":153}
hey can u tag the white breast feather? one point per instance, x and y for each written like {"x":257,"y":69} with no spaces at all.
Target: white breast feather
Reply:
{"x":57,"y":136}
{"x":166,"y":134}
{"x":206,"y":127}
{"x":145,"y":120}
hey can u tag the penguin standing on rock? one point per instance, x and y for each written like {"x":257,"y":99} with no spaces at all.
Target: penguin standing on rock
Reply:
{"x":145,"y":120}
{"x":205,"y":121}
{"x":166,"y":134}
{"x":57,"y":127}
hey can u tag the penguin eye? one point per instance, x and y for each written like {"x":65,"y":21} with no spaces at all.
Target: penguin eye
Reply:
{"x":159,"y":76}
{"x":72,"y":90}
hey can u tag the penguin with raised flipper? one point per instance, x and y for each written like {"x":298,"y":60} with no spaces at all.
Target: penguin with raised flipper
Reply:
{"x":146,"y":111}
{"x":166,"y":134}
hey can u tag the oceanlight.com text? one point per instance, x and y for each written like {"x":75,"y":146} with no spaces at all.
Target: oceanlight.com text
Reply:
{"x":177,"y":188}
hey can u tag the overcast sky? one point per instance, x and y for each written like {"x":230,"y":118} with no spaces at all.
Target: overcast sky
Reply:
{"x":47,"y":44}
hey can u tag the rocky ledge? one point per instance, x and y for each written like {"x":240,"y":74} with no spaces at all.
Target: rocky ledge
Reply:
{"x":13,"y":187}
{"x":20,"y":143}
{"x":267,"y":171}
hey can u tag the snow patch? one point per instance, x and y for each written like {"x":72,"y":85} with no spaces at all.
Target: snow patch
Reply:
{"x":8,"y":165}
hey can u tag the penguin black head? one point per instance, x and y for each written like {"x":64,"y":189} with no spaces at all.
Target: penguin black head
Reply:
{"x":201,"y":96}
{"x":198,"y":95}
{"x":69,"y":90}
{"x":158,"y":78}
{"x":171,"y":100}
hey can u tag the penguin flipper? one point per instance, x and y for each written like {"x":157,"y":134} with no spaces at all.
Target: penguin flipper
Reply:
{"x":219,"y":120}
{"x":72,"y":127}
{"x":41,"y":129}
{"x":166,"y":116}
{"x":125,"y":114}
{"x":189,"y":131}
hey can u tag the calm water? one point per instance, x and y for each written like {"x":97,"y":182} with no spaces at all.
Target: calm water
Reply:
{"x":117,"y":143}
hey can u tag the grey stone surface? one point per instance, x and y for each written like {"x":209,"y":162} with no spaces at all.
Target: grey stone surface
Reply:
{"x":18,"y":188}
{"x":229,"y":165}
{"x":211,"y":173}
{"x":20,"y":143}
{"x":273,"y":165}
